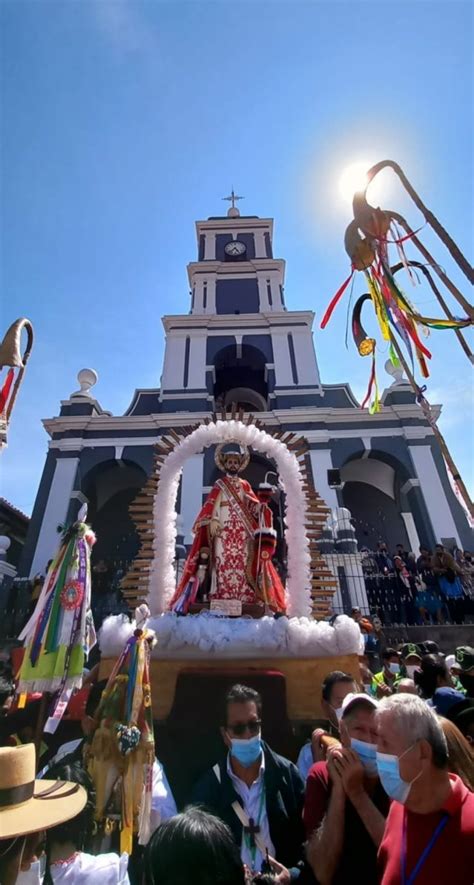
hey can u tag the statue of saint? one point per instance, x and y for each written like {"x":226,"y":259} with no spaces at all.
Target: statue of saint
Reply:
{"x":234,"y":541}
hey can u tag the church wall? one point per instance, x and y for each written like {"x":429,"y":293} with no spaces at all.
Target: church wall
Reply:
{"x":268,"y":245}
{"x":237,"y":296}
{"x":262,"y":343}
{"x":214,"y":344}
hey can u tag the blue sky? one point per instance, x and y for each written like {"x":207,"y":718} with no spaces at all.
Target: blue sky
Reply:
{"x":123,"y":122}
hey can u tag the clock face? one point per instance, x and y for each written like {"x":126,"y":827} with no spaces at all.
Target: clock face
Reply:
{"x":235,"y":249}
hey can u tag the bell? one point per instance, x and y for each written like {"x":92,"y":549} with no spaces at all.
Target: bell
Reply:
{"x":10,"y":354}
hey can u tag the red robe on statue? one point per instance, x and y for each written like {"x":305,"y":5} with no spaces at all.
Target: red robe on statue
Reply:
{"x":234,"y":538}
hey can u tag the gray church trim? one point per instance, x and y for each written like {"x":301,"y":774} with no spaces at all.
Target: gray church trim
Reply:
{"x":339,"y":396}
{"x":237,"y":296}
{"x":144,"y":402}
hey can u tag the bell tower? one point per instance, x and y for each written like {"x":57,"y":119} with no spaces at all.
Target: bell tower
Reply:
{"x":239,"y":343}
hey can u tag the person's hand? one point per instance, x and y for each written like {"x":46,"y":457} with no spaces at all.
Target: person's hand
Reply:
{"x":351,"y":772}
{"x":332,"y":754}
{"x":282,"y":875}
{"x":317,"y":748}
{"x":214,"y":528}
{"x":383,"y":690}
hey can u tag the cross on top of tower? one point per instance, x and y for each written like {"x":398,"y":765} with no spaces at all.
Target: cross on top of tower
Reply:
{"x":233,"y":211}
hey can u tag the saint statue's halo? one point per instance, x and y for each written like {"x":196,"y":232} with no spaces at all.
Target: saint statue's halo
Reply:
{"x":220,"y":454}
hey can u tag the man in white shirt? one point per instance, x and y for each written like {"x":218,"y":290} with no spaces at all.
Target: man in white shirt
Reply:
{"x":257,"y":793}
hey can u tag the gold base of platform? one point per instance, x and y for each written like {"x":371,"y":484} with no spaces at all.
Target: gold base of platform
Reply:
{"x":303,"y":678}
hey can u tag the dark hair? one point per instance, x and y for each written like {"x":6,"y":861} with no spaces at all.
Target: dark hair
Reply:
{"x":333,"y":679}
{"x":390,"y":653}
{"x":241,"y":694}
{"x":196,"y":847}
{"x":79,"y":830}
{"x":432,"y":667}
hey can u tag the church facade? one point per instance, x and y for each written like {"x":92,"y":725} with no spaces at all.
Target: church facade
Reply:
{"x":240,"y":343}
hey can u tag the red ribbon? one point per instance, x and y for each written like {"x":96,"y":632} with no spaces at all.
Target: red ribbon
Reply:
{"x":371,"y":381}
{"x":6,"y":389}
{"x":337,"y":296}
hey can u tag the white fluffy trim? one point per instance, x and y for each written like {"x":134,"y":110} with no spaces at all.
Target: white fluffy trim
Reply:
{"x":208,"y":634}
{"x":163,"y":577}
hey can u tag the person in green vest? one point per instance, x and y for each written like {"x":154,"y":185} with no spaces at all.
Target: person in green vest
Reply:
{"x":385,"y":682}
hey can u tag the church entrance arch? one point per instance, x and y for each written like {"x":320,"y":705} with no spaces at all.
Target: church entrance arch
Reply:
{"x":240,"y":377}
{"x":110,"y":487}
{"x":162,"y":577}
{"x":373,"y":493}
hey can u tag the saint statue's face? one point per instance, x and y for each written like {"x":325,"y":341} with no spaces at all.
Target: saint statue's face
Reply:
{"x":232,"y":463}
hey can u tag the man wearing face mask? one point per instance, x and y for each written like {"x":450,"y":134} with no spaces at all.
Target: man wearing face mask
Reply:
{"x":345,"y":806}
{"x":257,"y":793}
{"x":429,"y":835}
{"x":384,"y":683}
{"x":334,"y":689}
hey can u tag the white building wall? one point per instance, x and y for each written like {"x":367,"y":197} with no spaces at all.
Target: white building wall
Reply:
{"x":55,"y":513}
{"x":173,"y":363}
{"x":438,"y":508}
{"x":197,"y":360}
{"x":321,"y":462}
{"x":281,"y":359}
{"x":191,"y":494}
{"x":305,"y":357}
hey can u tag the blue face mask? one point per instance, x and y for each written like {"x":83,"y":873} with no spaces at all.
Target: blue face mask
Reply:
{"x":388,"y":767}
{"x":246,"y":751}
{"x":367,"y":754}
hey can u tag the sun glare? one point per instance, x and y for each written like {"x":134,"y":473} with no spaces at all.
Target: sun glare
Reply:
{"x":353,"y":179}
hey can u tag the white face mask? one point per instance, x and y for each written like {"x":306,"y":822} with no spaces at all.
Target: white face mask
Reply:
{"x":35,"y":874}
{"x":338,"y":712}
{"x":394,"y":668}
{"x":410,"y":668}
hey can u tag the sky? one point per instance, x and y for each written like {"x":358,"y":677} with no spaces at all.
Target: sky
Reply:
{"x":125,"y":121}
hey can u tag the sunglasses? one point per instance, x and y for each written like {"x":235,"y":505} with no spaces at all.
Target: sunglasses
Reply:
{"x":253,"y":726}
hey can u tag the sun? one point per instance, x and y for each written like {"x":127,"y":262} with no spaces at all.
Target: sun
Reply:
{"x":353,"y":179}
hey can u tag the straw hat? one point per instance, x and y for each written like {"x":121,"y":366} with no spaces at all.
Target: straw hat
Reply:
{"x":28,"y":805}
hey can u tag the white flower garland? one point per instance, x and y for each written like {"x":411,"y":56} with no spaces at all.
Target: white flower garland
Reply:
{"x":162,"y":575}
{"x":211,"y":635}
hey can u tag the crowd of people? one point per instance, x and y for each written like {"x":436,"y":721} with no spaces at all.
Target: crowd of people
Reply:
{"x":382,"y":793}
{"x":434,"y":587}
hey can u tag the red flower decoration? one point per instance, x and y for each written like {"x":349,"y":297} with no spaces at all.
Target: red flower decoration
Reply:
{"x":71,"y":595}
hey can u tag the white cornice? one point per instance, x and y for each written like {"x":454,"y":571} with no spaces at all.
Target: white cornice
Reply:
{"x":240,"y":222}
{"x":121,"y":425}
{"x":241,"y":320}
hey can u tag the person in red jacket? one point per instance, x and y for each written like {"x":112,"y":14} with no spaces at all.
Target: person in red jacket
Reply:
{"x":429,"y":834}
{"x":345,"y":806}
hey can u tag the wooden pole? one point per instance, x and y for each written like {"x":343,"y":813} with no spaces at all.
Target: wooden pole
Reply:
{"x":418,"y":264}
{"x":439,"y":436}
{"x":451,"y":246}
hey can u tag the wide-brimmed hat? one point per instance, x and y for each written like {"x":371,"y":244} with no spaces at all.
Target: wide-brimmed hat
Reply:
{"x":28,"y":805}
